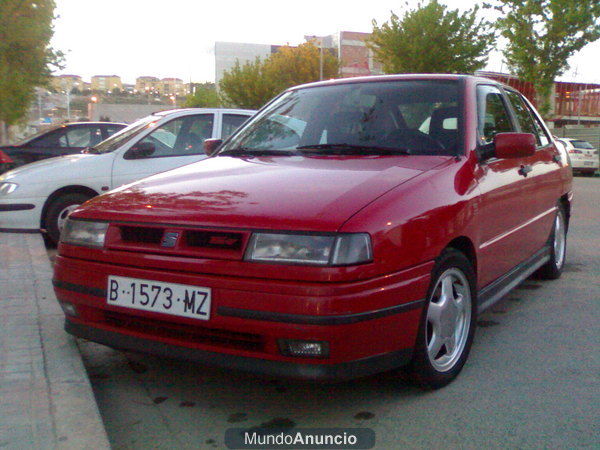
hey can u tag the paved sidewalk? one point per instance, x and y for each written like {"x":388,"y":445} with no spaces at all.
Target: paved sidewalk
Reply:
{"x":46,"y":400}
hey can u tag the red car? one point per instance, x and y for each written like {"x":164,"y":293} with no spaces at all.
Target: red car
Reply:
{"x":350,"y":227}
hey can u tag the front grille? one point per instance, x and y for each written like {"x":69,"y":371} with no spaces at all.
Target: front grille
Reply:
{"x":184,"y":332}
{"x":214,"y":239}
{"x":141,"y":235}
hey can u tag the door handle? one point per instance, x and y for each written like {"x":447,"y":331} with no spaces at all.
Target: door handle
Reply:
{"x":525,"y":169}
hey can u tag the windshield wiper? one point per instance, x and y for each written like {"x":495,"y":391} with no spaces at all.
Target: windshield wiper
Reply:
{"x":354,"y":149}
{"x":250,"y":152}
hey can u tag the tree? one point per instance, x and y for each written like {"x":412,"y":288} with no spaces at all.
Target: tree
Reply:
{"x":431,"y":39}
{"x":291,"y":66}
{"x":542,"y":35}
{"x":204,"y":96}
{"x":26,"y":57}
{"x":253,"y":84}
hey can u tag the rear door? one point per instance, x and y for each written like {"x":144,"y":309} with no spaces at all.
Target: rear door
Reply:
{"x":175,"y":143}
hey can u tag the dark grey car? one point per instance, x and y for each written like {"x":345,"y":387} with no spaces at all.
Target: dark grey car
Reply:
{"x":60,"y":140}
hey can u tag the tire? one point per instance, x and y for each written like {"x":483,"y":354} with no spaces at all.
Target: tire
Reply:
{"x":453,"y":324}
{"x":57,"y":212}
{"x":558,"y":248}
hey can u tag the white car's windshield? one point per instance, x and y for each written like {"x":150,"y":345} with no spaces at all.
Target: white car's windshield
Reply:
{"x":119,"y":138}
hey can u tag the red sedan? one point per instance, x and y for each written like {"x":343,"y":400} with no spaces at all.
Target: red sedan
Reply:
{"x":350,"y":227}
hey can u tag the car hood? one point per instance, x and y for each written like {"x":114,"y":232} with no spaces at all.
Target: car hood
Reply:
{"x":59,"y":167}
{"x":301,"y":193}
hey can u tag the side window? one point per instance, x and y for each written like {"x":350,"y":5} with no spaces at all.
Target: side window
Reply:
{"x":231,"y":122}
{"x":492,"y":115}
{"x":179,"y":137}
{"x":79,"y":137}
{"x":527,"y":120}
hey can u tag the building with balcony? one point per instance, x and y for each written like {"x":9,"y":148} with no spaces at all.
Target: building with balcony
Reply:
{"x":572,"y":103}
{"x":147,"y":84}
{"x":172,"y":86}
{"x":106,"y":83}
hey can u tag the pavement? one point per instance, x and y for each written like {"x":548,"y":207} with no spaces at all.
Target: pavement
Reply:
{"x":46,"y":401}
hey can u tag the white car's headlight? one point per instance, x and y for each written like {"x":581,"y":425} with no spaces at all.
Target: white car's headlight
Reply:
{"x":315,"y":249}
{"x":83,"y":232}
{"x":8,"y":188}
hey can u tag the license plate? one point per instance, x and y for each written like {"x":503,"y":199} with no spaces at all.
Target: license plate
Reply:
{"x":167,"y":298}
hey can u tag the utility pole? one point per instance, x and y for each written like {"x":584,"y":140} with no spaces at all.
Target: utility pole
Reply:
{"x":39,"y":99}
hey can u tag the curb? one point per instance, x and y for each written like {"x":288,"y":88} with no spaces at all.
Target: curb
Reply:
{"x":47,"y":399}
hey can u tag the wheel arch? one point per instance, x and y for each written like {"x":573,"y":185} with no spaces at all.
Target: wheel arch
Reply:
{"x":464,"y":245}
{"x":566,"y":204}
{"x":74,"y":189}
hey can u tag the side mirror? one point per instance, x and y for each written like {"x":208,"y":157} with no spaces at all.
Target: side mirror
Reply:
{"x":211,"y":146}
{"x":141,"y":150}
{"x":514,"y":145}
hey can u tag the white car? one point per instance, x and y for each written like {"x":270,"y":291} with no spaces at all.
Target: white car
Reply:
{"x":42,"y":194}
{"x":584,"y":157}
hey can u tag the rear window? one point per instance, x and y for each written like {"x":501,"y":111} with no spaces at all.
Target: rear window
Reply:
{"x":582,"y":144}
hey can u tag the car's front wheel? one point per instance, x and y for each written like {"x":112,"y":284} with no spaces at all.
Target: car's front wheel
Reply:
{"x":448,"y":323}
{"x":58,"y":211}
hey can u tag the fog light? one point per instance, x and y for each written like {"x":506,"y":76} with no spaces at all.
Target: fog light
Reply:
{"x":69,"y":309}
{"x":307,"y":349}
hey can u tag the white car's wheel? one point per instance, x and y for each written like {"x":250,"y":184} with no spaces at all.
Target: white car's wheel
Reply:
{"x":58,"y":211}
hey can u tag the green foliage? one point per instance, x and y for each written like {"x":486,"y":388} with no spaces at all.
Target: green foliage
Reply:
{"x":542,"y":35}
{"x":253,"y":84}
{"x":204,"y":96}
{"x":431,"y":39}
{"x":26,"y":58}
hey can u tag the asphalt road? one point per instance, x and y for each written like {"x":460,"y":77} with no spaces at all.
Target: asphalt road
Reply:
{"x":532,"y":380}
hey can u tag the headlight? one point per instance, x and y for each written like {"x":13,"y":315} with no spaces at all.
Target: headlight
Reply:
{"x":82,"y":232}
{"x":341,"y":249}
{"x":8,"y":188}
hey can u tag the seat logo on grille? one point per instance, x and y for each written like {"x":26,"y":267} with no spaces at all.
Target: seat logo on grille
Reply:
{"x":169,"y":239}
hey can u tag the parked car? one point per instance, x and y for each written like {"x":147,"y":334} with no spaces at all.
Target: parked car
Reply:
{"x":350,"y":227}
{"x":584,"y":157}
{"x":42,"y":194}
{"x":59,"y":140}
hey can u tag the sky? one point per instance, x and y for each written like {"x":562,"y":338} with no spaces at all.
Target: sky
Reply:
{"x":175,"y":38}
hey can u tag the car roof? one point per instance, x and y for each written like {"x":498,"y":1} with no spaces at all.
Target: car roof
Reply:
{"x":400,"y":77}
{"x":188,"y":111}
{"x":68,"y":124}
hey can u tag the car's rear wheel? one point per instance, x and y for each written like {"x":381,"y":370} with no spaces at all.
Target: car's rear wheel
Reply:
{"x":58,"y":211}
{"x":558,"y":248}
{"x":448,"y":322}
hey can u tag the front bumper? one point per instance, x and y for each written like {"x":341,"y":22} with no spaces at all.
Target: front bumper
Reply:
{"x":369,"y":326}
{"x":314,"y":372}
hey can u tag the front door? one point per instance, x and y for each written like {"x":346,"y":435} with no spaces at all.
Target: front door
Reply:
{"x":173,"y":144}
{"x":505,"y":207}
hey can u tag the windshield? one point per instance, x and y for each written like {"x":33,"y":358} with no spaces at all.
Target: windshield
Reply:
{"x":119,"y":138}
{"x":404,"y":116}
